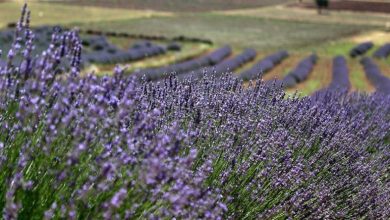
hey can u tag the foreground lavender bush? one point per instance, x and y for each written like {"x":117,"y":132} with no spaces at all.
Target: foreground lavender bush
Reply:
{"x":115,"y":148}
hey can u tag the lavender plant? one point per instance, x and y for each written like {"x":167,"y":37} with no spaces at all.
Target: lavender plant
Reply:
{"x":264,"y":65}
{"x":360,"y":49}
{"x":118,"y":148}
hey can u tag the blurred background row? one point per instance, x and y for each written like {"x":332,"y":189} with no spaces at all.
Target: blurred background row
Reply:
{"x":280,"y":37}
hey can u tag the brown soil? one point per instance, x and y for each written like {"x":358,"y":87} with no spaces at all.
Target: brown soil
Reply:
{"x":350,"y":5}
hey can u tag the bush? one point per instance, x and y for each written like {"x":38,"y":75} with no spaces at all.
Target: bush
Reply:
{"x":322,"y":4}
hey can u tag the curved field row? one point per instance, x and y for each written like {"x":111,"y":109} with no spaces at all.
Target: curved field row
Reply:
{"x":321,"y":75}
{"x":209,"y":59}
{"x":319,"y":78}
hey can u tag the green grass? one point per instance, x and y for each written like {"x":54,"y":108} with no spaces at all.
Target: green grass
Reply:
{"x":238,"y":31}
{"x":176,"y":5}
{"x":335,"y":48}
{"x":66,"y":14}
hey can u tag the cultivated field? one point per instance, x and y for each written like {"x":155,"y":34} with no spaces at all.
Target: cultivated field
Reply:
{"x":60,"y":14}
{"x":175,"y":5}
{"x":193,"y":110}
{"x":267,"y":29}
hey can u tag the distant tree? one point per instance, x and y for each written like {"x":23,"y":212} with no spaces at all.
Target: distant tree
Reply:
{"x":322,"y":4}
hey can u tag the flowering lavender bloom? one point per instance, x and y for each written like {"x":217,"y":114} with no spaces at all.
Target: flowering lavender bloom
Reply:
{"x":88,"y":147}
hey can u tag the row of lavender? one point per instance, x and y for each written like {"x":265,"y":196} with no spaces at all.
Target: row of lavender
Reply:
{"x":381,"y":53}
{"x":299,"y":74}
{"x":374,"y":75}
{"x":216,"y":63}
{"x":210,"y":59}
{"x":104,"y":52}
{"x":101,"y":51}
{"x":340,"y":82}
{"x":197,"y":68}
{"x":340,"y":76}
{"x":97,"y":48}
{"x":228,"y":65}
{"x":180,"y":39}
{"x":112,"y":147}
{"x":264,"y":66}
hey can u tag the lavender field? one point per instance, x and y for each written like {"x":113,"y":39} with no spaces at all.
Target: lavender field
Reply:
{"x":75,"y":145}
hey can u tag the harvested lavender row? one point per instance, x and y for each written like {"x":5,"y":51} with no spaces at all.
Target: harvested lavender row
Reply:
{"x":374,"y":75}
{"x":383,"y":52}
{"x":112,"y":147}
{"x":228,"y":65}
{"x":298,"y":74}
{"x":263,"y":66}
{"x":212,"y":58}
{"x":361,"y":49}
